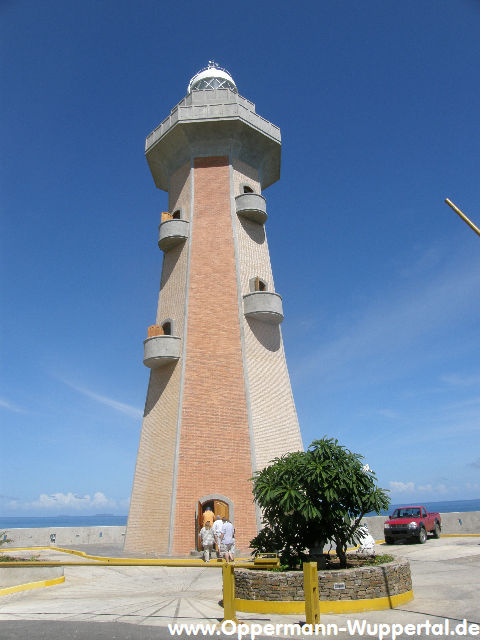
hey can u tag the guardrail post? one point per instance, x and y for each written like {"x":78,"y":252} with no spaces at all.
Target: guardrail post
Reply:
{"x":228,"y":576}
{"x":310,"y":587}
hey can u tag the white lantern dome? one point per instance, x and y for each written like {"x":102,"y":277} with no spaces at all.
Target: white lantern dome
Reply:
{"x":212,"y":77}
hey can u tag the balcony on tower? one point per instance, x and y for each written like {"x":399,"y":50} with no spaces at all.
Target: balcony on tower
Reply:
{"x":252,"y":206}
{"x":160,"y":347}
{"x":172,"y":230}
{"x":263,"y":305}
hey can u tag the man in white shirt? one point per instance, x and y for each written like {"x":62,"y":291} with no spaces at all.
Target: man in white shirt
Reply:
{"x":217,"y":532}
{"x":228,"y":539}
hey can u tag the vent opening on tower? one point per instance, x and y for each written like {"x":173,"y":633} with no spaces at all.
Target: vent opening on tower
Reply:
{"x":257,"y":284}
{"x":247,"y":189}
{"x":177,"y":214}
{"x":167,"y":328}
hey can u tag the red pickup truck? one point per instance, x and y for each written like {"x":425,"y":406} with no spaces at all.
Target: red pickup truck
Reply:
{"x":413,"y":523}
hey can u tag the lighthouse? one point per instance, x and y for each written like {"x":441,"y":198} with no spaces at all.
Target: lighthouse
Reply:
{"x":219,"y":403}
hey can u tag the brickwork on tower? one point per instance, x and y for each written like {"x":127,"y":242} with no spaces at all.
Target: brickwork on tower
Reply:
{"x":273,"y":415}
{"x":150,"y":505}
{"x":214,"y":440}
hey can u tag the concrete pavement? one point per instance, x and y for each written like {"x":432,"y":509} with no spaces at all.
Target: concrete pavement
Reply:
{"x":445,"y":574}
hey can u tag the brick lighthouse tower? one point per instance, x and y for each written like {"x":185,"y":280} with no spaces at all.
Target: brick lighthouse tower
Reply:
{"x":219,"y":403}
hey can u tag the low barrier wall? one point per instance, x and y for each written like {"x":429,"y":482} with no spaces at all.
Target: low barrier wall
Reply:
{"x":64,"y":536}
{"x":13,"y":576}
{"x":452,"y":523}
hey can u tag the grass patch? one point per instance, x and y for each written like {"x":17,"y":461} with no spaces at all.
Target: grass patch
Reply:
{"x":5,"y":558}
{"x":382,"y":559}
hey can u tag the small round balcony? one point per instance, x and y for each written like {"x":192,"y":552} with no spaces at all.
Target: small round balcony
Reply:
{"x":171,"y":233}
{"x":263,"y":305}
{"x":160,"y":350}
{"x":252,"y":206}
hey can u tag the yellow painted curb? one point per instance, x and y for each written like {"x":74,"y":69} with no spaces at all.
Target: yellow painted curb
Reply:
{"x":32,"y":585}
{"x":99,"y":561}
{"x":326,"y":606}
{"x":459,"y":535}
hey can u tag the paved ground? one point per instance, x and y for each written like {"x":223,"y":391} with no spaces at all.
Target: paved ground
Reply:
{"x":445,"y":573}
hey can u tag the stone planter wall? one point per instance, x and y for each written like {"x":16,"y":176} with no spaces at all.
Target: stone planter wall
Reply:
{"x":361,"y":583}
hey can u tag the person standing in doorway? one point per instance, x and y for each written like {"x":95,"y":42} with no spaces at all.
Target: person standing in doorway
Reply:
{"x":208,"y":516}
{"x":217,"y":532}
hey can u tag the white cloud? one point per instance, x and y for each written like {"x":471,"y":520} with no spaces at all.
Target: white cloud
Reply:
{"x":68,"y":502}
{"x":429,"y":491}
{"x":126,"y":409}
{"x":438,"y":489}
{"x":401,"y":487}
{"x":11,"y":407}
{"x":459,"y":380}
{"x":396,"y":323}
{"x":387,"y":413}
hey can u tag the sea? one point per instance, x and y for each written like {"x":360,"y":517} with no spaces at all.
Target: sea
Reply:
{"x":110,"y":520}
{"x":444,"y":506}
{"x":28,"y":522}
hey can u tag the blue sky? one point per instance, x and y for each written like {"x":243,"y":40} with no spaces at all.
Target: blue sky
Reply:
{"x":378,"y":104}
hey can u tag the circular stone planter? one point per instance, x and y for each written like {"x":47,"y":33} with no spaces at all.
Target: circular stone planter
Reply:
{"x":340,"y":591}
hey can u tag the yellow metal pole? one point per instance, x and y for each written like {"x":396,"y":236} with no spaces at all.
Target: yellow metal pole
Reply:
{"x":463,"y":216}
{"x":228,"y":576}
{"x":310,"y":588}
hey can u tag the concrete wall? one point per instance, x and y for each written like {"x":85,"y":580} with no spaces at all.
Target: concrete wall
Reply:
{"x":457,"y":522}
{"x":13,"y":576}
{"x":65,"y":536}
{"x":68,"y":536}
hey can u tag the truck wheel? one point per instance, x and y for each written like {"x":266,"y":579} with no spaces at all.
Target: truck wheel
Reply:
{"x":388,"y":540}
{"x":422,"y":536}
{"x":436,"y":530}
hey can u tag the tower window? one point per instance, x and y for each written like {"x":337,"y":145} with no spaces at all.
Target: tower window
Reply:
{"x":247,"y":189}
{"x":257,"y":284}
{"x":167,"y":328}
{"x":176,"y":215}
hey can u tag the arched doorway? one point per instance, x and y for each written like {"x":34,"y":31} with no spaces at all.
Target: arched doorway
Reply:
{"x":220,"y":505}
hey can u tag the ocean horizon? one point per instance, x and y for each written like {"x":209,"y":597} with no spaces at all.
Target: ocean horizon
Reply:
{"x":441,"y":506}
{"x":38,"y":522}
{"x":110,"y":520}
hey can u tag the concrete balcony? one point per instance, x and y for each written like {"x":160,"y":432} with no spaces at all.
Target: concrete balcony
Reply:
{"x":263,"y":305}
{"x":172,"y":232}
{"x":160,"y":350}
{"x":252,"y":206}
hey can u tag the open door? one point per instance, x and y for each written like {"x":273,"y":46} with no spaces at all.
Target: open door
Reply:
{"x":220,"y":508}
{"x":198,"y":525}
